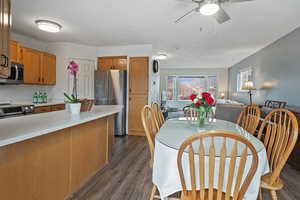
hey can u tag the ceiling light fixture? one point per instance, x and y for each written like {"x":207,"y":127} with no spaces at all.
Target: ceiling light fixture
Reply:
{"x":48,"y":26}
{"x":161,"y":56}
{"x":209,"y":8}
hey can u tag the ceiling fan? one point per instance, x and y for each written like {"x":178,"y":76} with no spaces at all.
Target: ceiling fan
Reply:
{"x":211,"y":8}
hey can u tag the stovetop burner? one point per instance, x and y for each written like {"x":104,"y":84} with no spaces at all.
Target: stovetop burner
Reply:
{"x":8,"y":110}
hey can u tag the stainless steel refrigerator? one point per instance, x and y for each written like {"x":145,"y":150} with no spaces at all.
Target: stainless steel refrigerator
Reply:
{"x":111,"y":89}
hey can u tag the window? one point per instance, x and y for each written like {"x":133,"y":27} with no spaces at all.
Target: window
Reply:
{"x":181,"y":87}
{"x":242,"y":77}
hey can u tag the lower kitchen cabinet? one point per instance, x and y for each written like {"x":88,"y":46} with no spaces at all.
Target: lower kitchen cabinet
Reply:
{"x":44,"y":109}
{"x":53,"y":166}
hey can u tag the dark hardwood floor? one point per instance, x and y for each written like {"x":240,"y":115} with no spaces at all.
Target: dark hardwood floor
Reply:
{"x":128,"y":176}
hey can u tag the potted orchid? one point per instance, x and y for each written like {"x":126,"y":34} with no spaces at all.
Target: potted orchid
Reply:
{"x":203,"y":104}
{"x":73,"y":101}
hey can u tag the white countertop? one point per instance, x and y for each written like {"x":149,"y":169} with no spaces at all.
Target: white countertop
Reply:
{"x":21,"y":128}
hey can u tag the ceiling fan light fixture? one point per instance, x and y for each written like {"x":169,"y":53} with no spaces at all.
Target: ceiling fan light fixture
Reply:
{"x":209,"y":8}
{"x":48,"y":26}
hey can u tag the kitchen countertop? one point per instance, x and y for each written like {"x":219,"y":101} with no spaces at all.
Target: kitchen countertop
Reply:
{"x":21,"y":128}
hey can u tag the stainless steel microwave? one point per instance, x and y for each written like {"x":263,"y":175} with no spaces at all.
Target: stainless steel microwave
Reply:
{"x":16,"y":74}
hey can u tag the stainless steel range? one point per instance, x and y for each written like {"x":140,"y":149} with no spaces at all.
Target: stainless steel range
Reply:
{"x":12,"y":110}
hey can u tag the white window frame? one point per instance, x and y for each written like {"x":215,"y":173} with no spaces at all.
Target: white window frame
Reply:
{"x":175,"y":90}
{"x":239,"y":85}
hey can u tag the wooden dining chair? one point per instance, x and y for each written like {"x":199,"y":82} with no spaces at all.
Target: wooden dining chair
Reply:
{"x":278,"y":132}
{"x":210,"y":150}
{"x":249,"y":118}
{"x":159,"y":117}
{"x":190,"y":113}
{"x":151,"y":128}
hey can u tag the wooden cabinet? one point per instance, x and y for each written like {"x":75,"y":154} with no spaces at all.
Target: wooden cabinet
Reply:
{"x":112,"y":63}
{"x":44,"y":109}
{"x":32,"y":60}
{"x":138,"y":93}
{"x":5,"y":26}
{"x":53,"y":166}
{"x":58,"y":107}
{"x":15,"y":52}
{"x":48,"y":71}
{"x":39,"y":67}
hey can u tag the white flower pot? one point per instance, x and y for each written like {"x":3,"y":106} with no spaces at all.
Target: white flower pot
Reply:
{"x":74,"y":108}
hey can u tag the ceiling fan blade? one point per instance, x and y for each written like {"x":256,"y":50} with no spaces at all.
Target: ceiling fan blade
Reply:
{"x":221,"y":16}
{"x":186,"y":14}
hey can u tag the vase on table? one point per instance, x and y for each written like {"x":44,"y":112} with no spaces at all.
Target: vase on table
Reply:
{"x":201,"y":118}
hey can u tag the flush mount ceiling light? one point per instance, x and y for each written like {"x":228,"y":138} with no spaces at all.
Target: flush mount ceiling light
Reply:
{"x":209,"y":8}
{"x":48,"y":26}
{"x":161,"y":56}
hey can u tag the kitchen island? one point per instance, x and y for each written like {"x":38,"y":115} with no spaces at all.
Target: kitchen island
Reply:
{"x":51,"y":155}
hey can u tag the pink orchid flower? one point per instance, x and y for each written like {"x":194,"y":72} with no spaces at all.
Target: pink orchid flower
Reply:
{"x":73,"y":67}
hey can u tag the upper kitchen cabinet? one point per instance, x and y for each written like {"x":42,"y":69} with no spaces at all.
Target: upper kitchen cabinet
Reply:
{"x":48,"y":70}
{"x":15,"y":52}
{"x":112,"y":63}
{"x":32,"y":61}
{"x":5,"y":25}
{"x":39,"y":67}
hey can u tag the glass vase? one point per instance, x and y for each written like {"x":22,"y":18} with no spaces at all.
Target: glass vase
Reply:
{"x":201,"y":118}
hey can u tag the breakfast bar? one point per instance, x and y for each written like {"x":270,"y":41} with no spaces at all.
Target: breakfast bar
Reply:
{"x":51,"y":155}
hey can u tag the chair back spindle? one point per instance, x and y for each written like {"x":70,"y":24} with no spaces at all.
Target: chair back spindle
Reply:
{"x":249,"y":118}
{"x":159,"y":117}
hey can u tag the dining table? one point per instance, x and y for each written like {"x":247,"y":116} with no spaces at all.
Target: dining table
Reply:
{"x":168,"y":141}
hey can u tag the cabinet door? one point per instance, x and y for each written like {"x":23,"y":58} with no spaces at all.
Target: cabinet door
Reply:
{"x":105,"y":63}
{"x":15,"y":51}
{"x":5,"y":25}
{"x":138,"y":93}
{"x":32,"y":66}
{"x":58,"y":107}
{"x":138,"y":76}
{"x":42,"y":109}
{"x":48,"y":69}
{"x":120,"y":63}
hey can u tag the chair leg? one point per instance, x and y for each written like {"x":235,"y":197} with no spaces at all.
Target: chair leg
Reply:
{"x":153,"y":191}
{"x":273,"y":195}
{"x":260,"y":197}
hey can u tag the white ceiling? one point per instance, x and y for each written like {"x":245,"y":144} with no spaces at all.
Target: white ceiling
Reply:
{"x":119,"y":22}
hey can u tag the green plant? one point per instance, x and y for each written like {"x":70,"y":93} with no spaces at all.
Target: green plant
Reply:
{"x":71,"y":98}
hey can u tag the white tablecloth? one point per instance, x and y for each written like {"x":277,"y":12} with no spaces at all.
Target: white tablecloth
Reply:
{"x":167,"y":142}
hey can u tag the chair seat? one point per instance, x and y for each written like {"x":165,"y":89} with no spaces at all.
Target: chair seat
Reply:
{"x":266,"y":183}
{"x":188,"y":195}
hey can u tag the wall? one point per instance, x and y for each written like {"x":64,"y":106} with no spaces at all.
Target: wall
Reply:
{"x":64,"y":53}
{"x":276,"y":72}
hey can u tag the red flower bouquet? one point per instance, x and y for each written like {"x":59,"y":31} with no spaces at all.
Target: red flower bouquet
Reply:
{"x":202,"y":104}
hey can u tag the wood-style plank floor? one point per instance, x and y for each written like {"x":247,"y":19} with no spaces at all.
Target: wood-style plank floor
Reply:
{"x":128,"y":176}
